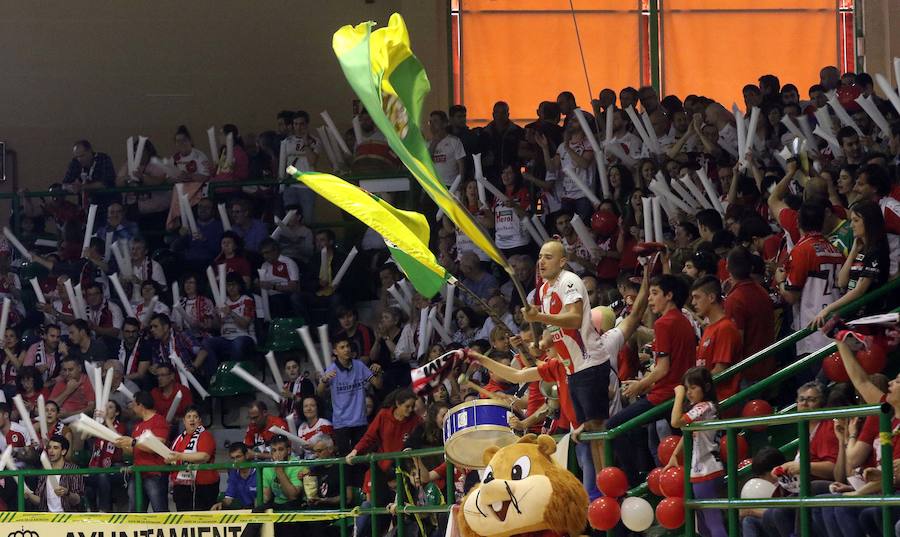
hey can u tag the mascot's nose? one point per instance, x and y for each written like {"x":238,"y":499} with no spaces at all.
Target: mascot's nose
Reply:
{"x":494,"y":491}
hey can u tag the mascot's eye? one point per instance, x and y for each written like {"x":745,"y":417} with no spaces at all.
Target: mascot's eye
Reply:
{"x":488,"y":475}
{"x":521,"y":468}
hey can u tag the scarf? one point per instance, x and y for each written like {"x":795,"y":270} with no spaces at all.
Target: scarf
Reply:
{"x":102,"y":316}
{"x":129,"y":360}
{"x":42,"y":358}
{"x":187,"y":477}
{"x":104,"y":451}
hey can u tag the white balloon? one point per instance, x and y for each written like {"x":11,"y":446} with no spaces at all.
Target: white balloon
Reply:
{"x":637,"y":513}
{"x":757,"y":488}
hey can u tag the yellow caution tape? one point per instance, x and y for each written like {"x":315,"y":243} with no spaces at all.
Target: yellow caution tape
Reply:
{"x":175,"y":518}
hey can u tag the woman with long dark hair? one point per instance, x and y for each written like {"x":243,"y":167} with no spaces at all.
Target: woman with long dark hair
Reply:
{"x":868,"y":264}
{"x":387,"y":432}
{"x":238,"y":167}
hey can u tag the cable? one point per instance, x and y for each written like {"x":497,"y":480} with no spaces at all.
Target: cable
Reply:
{"x":581,"y":50}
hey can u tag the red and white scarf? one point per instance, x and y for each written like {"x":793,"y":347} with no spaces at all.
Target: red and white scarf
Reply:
{"x":187,"y":477}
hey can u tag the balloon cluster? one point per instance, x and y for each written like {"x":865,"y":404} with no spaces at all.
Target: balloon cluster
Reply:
{"x":635,"y":513}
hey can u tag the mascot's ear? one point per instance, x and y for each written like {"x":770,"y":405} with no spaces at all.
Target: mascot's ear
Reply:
{"x":546,"y":444}
{"x":529,"y":438}
{"x":489,"y":454}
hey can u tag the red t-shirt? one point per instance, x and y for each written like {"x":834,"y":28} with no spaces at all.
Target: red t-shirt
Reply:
{"x":162,"y":403}
{"x":206,"y":443}
{"x":749,"y":305}
{"x":236,"y":264}
{"x":259,"y":440}
{"x":157,"y":425}
{"x":535,"y":398}
{"x":721,"y":344}
{"x":386,"y":434}
{"x":790,"y":222}
{"x":553,"y":370}
{"x":673,"y":337}
{"x":869,"y":435}
{"x":823,"y":445}
{"x":79,"y":399}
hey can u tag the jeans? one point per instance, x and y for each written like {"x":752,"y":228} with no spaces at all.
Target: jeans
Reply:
{"x":220,"y":348}
{"x":156,"y":489}
{"x":628,"y":449}
{"x":588,"y":472}
{"x":752,"y":527}
{"x":98,"y":488}
{"x":710,"y":522}
{"x":870,"y":520}
{"x":836,"y":521}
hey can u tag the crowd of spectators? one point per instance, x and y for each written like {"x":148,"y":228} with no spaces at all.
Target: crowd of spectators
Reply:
{"x":776,"y":230}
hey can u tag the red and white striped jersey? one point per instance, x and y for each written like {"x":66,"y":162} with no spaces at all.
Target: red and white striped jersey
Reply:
{"x":583,"y":347}
{"x":812,"y":270}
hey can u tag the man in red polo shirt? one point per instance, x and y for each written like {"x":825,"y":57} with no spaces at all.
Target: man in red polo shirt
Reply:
{"x":258,"y":434}
{"x":167,"y":389}
{"x":156,"y":485}
{"x":749,"y":305}
{"x":674,"y":347}
{"x":73,"y":393}
{"x":720,"y":345}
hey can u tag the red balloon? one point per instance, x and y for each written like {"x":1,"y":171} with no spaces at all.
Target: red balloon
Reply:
{"x":671,"y":482}
{"x":604,"y":513}
{"x":743,"y":448}
{"x":605,"y":223}
{"x":653,"y":481}
{"x":834,"y":368}
{"x":873,"y":359}
{"x":612,"y":482}
{"x":756,"y":407}
{"x":666,"y":448}
{"x":745,"y":463}
{"x":670,"y":513}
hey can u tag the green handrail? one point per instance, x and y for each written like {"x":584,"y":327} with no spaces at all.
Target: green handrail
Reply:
{"x":803,"y":502}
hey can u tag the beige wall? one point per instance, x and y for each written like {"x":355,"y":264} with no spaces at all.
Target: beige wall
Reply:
{"x":105,"y":70}
{"x":881,"y":42}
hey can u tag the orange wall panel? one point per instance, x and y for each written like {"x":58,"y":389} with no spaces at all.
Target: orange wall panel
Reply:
{"x":526,"y":52}
{"x":714,"y":53}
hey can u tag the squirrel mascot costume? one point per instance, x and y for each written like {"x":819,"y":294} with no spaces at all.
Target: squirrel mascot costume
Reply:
{"x":524,"y":493}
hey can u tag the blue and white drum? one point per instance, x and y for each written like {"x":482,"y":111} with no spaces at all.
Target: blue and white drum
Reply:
{"x":474,"y":426}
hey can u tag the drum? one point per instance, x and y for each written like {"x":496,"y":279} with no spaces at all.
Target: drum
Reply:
{"x":474,"y":426}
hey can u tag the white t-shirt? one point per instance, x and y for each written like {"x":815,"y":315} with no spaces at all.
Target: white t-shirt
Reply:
{"x":147,"y":269}
{"x":194,"y":163}
{"x":446,"y":155}
{"x":464,"y":244}
{"x":576,"y":248}
{"x":311,"y":435}
{"x":705,"y":459}
{"x":509,"y":231}
{"x":295,"y":147}
{"x":583,"y":347}
{"x":245,"y":307}
{"x":570,"y":189}
{"x":284,"y":270}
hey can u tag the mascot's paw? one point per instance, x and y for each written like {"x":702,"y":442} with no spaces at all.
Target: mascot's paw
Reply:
{"x":524,"y":491}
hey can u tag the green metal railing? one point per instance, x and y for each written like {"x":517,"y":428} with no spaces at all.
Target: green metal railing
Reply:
{"x":803,"y":501}
{"x":662,"y":410}
{"x":401,"y":507}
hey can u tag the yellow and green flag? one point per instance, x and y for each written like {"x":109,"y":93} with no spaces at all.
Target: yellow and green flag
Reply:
{"x":392,"y":84}
{"x":405,"y":232}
